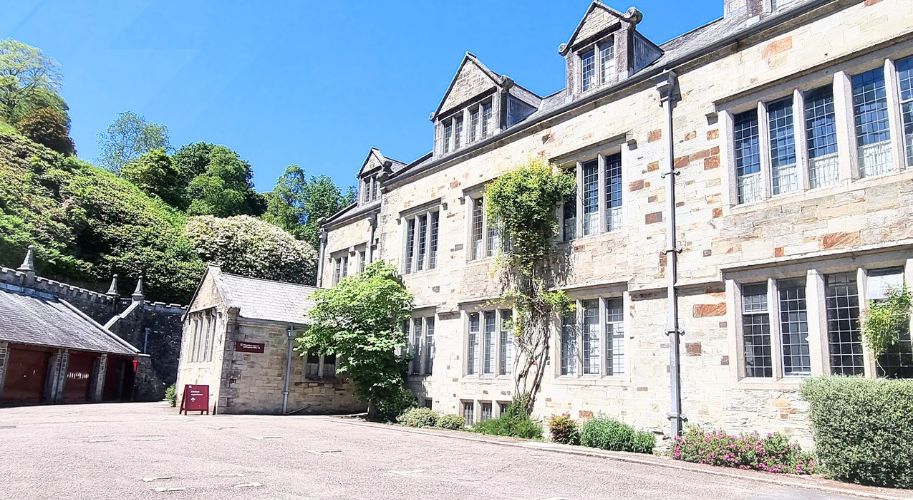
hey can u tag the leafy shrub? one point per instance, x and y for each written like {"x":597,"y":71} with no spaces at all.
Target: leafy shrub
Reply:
{"x":607,"y":434}
{"x":514,"y":422}
{"x":563,"y":429}
{"x":390,"y":402}
{"x":643,"y":442}
{"x":48,"y":127}
{"x":863,"y":428}
{"x":451,"y":422}
{"x":418,"y":417}
{"x":773,"y":453}
{"x":171,"y":395}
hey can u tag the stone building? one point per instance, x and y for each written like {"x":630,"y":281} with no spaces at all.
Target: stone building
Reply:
{"x":51,"y":352}
{"x":237,"y":339}
{"x":153,"y":328}
{"x":788,"y":126}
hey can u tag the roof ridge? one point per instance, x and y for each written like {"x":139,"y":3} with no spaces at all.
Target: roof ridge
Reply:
{"x":267,"y":280}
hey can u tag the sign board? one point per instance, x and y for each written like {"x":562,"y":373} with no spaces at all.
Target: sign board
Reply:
{"x":248,"y":347}
{"x":196,"y":398}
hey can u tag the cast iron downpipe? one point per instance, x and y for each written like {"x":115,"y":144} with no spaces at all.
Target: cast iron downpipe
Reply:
{"x":290,"y":331}
{"x":667,"y":86}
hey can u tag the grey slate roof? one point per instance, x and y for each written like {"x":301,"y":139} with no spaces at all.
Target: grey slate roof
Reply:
{"x":266,"y":300}
{"x":30,"y":317}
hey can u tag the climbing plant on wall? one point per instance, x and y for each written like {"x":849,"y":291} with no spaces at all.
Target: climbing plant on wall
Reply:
{"x":524,"y":202}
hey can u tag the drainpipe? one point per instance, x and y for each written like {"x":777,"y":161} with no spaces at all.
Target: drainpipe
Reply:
{"x":667,"y":86}
{"x":290,"y":331}
{"x":320,"y":256}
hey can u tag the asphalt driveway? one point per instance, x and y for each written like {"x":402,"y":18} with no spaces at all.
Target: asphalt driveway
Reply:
{"x":146,"y":450}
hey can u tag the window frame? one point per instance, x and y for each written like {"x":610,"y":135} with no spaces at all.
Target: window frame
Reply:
{"x":608,"y":219}
{"x":599,"y":75}
{"x":846,"y":159}
{"x":815,"y":276}
{"x":606,"y":357}
{"x":420,"y":251}
{"x":498,"y":348}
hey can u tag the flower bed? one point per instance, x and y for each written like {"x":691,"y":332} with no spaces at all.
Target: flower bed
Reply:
{"x":773,"y":453}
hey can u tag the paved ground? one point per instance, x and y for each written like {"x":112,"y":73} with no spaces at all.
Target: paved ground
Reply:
{"x":145,"y":450}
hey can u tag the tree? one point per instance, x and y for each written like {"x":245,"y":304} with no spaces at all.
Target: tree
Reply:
{"x":129,"y":137}
{"x":27,"y":78}
{"x":359,"y":321}
{"x":524,"y":202}
{"x":154,"y":174}
{"x":48,"y":126}
{"x":191,"y":160}
{"x":299,"y":205}
{"x":251,"y":247}
{"x":224,"y":189}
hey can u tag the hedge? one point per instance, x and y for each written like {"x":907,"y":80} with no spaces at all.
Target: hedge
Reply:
{"x":863,"y":429}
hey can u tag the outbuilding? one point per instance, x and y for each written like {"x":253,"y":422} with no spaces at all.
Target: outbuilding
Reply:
{"x":51,"y":352}
{"x":238,"y":339}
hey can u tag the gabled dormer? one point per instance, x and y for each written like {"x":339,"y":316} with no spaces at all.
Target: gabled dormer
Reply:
{"x":369,"y":177}
{"x":605,"y":49}
{"x":478,"y":104}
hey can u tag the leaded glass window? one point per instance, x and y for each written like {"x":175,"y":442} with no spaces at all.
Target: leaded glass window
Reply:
{"x":747,"y":156}
{"x":844,"y":341}
{"x":756,"y":331}
{"x":821,"y":137}
{"x":870,"y":109}
{"x":782,"y":146}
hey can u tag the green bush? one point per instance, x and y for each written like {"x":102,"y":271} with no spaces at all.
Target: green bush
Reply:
{"x":643,"y":442}
{"x":451,"y":422}
{"x":863,"y":429}
{"x":607,"y":434}
{"x":418,"y":417}
{"x":514,"y":422}
{"x":563,"y":429}
{"x":171,"y":395}
{"x":392,"y":402}
{"x":773,"y":453}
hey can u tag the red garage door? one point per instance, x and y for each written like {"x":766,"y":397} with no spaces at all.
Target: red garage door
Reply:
{"x":80,"y":371}
{"x":26,"y":372}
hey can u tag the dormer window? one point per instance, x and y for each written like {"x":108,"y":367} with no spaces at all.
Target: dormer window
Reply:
{"x":607,"y":60}
{"x":448,"y":133}
{"x":597,"y":64}
{"x":587,"y":69}
{"x":457,"y":132}
{"x":370,"y":188}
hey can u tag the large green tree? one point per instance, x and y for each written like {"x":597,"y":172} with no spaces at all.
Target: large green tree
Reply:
{"x":298,"y":204}
{"x":155,"y":174}
{"x":359,"y":321}
{"x":28,"y":80}
{"x":251,"y":247}
{"x":225,"y":187}
{"x":129,"y":137}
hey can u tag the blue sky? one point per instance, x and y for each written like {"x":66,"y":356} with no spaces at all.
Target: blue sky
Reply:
{"x":309,"y":83}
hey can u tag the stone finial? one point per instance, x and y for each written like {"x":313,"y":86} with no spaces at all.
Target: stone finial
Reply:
{"x":28,"y":265}
{"x":138,"y":293}
{"x":112,"y":290}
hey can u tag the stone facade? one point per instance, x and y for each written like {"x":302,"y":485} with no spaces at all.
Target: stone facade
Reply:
{"x":857,"y":225}
{"x":253,"y":382}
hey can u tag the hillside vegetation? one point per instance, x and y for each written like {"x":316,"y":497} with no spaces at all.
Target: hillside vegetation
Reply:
{"x":86,"y":223}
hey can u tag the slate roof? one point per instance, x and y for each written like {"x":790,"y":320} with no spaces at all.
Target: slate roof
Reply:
{"x":31,"y":317}
{"x":266,"y":300}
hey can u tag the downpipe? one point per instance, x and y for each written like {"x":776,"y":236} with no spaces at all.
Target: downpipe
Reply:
{"x":290,"y":332}
{"x":667,"y":86}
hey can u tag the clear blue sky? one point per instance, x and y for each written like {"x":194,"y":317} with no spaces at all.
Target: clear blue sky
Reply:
{"x":304,"y":82}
